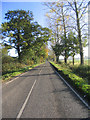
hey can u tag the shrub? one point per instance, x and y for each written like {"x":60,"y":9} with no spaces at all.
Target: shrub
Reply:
{"x":7,"y":59}
{"x":11,"y":67}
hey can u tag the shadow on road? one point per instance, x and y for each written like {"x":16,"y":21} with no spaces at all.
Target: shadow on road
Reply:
{"x":37,"y":75}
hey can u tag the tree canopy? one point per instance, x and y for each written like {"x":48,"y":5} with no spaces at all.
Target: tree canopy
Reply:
{"x":26,"y":36}
{"x":66,"y":16}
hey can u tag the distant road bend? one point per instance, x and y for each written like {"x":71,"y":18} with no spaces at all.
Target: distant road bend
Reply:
{"x":40,"y":93}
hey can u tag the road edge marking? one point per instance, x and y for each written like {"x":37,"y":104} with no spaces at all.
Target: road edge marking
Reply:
{"x":20,"y":75}
{"x":86,"y":104}
{"x":15,"y":78}
{"x":11,"y":80}
{"x":25,"y":102}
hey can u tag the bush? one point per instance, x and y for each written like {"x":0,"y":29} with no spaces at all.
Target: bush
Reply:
{"x":7,"y":59}
{"x":7,"y":68}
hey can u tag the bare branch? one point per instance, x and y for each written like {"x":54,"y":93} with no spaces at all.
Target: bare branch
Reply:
{"x":84,"y":11}
{"x":52,"y":9}
{"x":73,"y":18}
{"x":81,"y":4}
{"x":83,"y":26}
{"x":71,"y":6}
{"x":72,"y":27}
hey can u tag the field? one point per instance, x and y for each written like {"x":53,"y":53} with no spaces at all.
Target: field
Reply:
{"x":77,"y":62}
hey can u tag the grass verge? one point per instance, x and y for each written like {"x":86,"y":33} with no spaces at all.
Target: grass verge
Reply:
{"x":9,"y":76}
{"x":74,"y":80}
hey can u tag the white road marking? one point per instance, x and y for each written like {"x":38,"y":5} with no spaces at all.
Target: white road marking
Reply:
{"x":23,"y":73}
{"x":19,"y":76}
{"x":23,"y":106}
{"x":40,"y":71}
{"x":11,"y":80}
{"x":15,"y":78}
{"x":86,"y":104}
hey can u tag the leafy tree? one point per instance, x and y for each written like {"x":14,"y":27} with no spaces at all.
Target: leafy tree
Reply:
{"x":14,"y":28}
{"x":65,"y":47}
{"x":71,"y":49}
{"x":27,"y":37}
{"x":59,"y":19}
{"x":57,"y":50}
{"x":34,"y":42}
{"x":73,"y":44}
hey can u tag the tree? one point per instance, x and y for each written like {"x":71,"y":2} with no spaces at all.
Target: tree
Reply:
{"x":35,"y":40}
{"x":57,"y":50}
{"x":74,"y":44}
{"x":40,"y":43}
{"x":69,"y":15}
{"x":15,"y":27}
{"x":58,"y":13}
{"x":80,"y":9}
{"x":65,"y":47}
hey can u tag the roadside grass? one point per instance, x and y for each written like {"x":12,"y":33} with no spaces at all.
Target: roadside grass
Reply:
{"x":73,"y":76}
{"x":80,"y":70}
{"x":10,"y":74}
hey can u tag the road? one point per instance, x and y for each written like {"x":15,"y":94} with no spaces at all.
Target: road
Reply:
{"x":40,"y":93}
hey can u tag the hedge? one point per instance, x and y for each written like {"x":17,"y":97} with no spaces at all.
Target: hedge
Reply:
{"x":77,"y":82}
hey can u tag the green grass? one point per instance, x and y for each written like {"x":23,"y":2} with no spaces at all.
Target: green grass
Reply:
{"x":10,"y":74}
{"x":80,"y":70}
{"x":77,"y":62}
{"x":80,"y":83}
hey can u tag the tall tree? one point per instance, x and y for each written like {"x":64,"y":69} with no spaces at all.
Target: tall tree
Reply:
{"x":80,"y":9}
{"x":35,"y":41}
{"x":57,"y":48}
{"x":70,"y":14}
{"x":58,"y":13}
{"x":17,"y":20}
{"x":73,"y":44}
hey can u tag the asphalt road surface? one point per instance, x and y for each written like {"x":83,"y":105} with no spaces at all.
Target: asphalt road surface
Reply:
{"x":40,"y":93}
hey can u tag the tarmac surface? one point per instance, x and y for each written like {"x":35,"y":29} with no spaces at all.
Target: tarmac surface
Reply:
{"x":40,"y":93}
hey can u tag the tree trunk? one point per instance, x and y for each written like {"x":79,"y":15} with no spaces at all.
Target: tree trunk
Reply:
{"x":57,"y":59}
{"x":79,"y":35}
{"x":19,"y":55}
{"x":73,"y":59}
{"x":64,"y":36}
{"x":18,"y":46}
{"x":57,"y":41}
{"x":65,"y":60}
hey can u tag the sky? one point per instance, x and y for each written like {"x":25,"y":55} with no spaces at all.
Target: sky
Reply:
{"x":38,"y":9}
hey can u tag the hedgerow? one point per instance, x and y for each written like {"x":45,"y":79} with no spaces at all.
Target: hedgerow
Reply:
{"x":76,"y":81}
